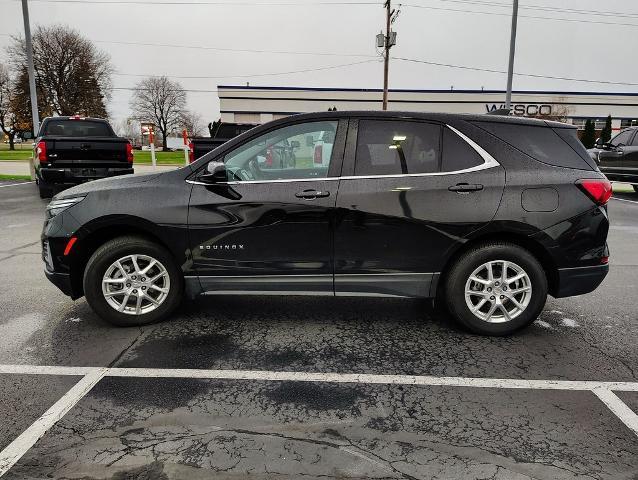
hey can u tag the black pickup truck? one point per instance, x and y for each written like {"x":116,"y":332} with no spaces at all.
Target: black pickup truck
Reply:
{"x":73,"y":150}
{"x":220,"y":134}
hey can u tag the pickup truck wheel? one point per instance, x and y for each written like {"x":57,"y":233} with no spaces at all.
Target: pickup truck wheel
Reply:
{"x":131,"y":281}
{"x":45,"y":190}
{"x":496,"y":289}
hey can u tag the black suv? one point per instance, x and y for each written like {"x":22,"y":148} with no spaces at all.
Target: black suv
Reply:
{"x":618,"y":159}
{"x":486,"y":214}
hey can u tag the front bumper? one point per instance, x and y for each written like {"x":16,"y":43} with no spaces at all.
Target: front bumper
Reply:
{"x":580,"y":280}
{"x":60,"y":280}
{"x":79,"y":175}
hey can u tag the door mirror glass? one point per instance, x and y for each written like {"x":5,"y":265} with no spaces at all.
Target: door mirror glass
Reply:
{"x":215,"y":173}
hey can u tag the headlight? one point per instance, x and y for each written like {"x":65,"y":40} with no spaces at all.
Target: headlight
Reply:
{"x":58,"y":206}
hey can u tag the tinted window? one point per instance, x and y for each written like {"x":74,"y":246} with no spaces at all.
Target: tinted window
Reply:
{"x":457,"y":154}
{"x":570,"y":135}
{"x":539,"y":142}
{"x":622,"y":138}
{"x":395,"y":147}
{"x":634,"y":142}
{"x":296,"y":151}
{"x":77,"y":128}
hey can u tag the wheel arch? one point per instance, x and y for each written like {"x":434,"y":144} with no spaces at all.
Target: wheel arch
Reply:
{"x":95,"y":236}
{"x":538,"y":250}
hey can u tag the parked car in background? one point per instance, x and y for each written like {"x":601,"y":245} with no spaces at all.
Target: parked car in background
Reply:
{"x":618,"y":159}
{"x":200,"y":146}
{"x":72,"y":150}
{"x":488,"y":214}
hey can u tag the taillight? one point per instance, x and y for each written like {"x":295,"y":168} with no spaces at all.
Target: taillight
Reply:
{"x":41,"y":152}
{"x":318,"y":153}
{"x":129,"y":153}
{"x":599,"y":190}
{"x":191,"y":152}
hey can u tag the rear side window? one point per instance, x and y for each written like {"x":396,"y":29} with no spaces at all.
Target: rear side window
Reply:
{"x":541,"y":143}
{"x":77,"y":128}
{"x":457,"y":154}
{"x":396,"y":147}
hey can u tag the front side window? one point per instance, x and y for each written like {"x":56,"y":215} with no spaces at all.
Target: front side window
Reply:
{"x":396,"y":147}
{"x":293,"y":152}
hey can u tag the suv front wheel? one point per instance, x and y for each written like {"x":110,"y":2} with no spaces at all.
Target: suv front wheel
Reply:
{"x":131,"y":281}
{"x":496,"y":289}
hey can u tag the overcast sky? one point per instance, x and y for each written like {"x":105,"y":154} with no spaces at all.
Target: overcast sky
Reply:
{"x":447,"y":31}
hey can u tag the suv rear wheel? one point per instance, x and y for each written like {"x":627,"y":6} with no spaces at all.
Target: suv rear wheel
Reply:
{"x":496,"y":289}
{"x":131,"y":281}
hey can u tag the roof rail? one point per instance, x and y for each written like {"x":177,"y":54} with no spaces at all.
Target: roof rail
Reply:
{"x":500,"y":111}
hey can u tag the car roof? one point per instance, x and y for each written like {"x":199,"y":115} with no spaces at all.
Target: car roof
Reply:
{"x":440,"y":117}
{"x":74,"y":117}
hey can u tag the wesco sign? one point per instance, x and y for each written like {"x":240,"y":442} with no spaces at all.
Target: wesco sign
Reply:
{"x":526,"y":109}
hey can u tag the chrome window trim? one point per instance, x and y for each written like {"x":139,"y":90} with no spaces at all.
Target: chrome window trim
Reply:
{"x":488,"y":162}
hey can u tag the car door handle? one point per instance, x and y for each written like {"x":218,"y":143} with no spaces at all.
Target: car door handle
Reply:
{"x":465,"y":187}
{"x":310,"y":194}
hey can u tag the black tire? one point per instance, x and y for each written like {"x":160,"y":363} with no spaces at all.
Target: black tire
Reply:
{"x":115,"y":249}
{"x":45,"y":190}
{"x":466,"y":264}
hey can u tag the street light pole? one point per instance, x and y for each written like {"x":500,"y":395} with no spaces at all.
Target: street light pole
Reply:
{"x":510,"y":68}
{"x":34,"y":97}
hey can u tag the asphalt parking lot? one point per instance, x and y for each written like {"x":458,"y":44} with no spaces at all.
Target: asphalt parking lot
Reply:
{"x":313,"y":388}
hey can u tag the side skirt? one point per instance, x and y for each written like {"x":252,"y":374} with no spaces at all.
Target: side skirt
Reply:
{"x":408,"y":285}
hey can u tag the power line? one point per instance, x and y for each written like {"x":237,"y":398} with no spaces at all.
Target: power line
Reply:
{"x":329,"y":67}
{"x":574,"y":11}
{"x":227,"y":3}
{"x":245,"y":50}
{"x":571,"y":20}
{"x":532,"y":75}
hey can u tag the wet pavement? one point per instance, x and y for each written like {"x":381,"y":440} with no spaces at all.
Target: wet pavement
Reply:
{"x":167,"y":428}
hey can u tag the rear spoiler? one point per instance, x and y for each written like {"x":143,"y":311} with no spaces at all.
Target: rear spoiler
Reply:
{"x":500,"y":111}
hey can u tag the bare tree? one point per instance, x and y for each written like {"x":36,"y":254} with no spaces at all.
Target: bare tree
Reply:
{"x":193,"y":123}
{"x":161,"y":101}
{"x":8,"y":119}
{"x":130,"y":129}
{"x":72,"y":75}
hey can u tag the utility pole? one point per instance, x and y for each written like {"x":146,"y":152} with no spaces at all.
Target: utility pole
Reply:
{"x":510,"y":68}
{"x":35,"y":117}
{"x":387,"y":41}
{"x":386,"y":57}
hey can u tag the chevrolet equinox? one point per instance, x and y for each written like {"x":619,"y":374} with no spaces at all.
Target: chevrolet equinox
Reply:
{"x":485,"y":214}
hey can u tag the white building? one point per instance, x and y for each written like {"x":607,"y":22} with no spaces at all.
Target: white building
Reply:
{"x":247,"y":104}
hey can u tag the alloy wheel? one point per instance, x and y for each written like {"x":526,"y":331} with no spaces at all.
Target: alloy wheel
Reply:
{"x":498,"y":291}
{"x":136,"y":284}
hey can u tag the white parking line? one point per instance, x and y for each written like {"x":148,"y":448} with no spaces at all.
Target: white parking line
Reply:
{"x":15,"y":184}
{"x":620,"y":409}
{"x":624,"y":200}
{"x":92,"y":375}
{"x":16,"y":449}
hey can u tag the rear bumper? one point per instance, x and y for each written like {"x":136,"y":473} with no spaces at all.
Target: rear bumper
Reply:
{"x":580,"y":280}
{"x":80,"y":174}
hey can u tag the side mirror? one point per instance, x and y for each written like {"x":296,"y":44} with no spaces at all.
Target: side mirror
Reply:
{"x":215,"y":173}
